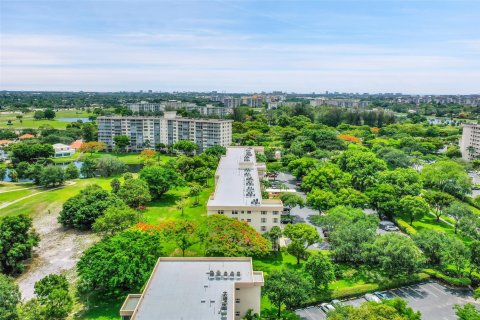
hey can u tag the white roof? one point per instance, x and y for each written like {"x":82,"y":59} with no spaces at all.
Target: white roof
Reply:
{"x":233,"y":175}
{"x":180,"y":288}
{"x":60,"y":146}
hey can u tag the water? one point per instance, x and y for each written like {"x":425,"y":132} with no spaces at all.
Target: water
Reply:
{"x":74,"y":119}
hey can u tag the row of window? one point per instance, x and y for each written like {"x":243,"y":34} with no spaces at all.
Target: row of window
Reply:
{"x":234,"y":212}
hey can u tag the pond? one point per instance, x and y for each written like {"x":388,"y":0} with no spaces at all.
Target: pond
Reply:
{"x":74,"y":120}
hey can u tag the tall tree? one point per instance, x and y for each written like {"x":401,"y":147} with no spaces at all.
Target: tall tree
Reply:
{"x":9,"y":298}
{"x":160,"y":179}
{"x":135,"y":193}
{"x":302,"y":236}
{"x":285,"y":287}
{"x":121,"y":142}
{"x":413,"y":207}
{"x":320,"y":268}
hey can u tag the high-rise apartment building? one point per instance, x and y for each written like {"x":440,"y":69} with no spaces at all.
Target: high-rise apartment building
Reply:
{"x":146,"y":132}
{"x":238,"y":191}
{"x":197,"y":288}
{"x":470,"y":141}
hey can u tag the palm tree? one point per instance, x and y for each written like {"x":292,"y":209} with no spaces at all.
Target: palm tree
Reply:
{"x":181,"y":204}
{"x":195,"y":190}
{"x":274,"y":235}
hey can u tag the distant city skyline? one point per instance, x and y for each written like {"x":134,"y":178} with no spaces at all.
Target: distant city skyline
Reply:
{"x":413,"y":47}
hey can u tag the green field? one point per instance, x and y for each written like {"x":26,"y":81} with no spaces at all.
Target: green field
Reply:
{"x":28,"y":122}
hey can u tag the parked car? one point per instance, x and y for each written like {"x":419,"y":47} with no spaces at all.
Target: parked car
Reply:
{"x":391,"y":228}
{"x":381,"y":295}
{"x":326,"y":307}
{"x":372,"y":297}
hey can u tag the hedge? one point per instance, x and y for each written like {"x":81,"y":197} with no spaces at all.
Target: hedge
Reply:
{"x":458,"y":282}
{"x":361,"y":289}
{"x":405,"y":227}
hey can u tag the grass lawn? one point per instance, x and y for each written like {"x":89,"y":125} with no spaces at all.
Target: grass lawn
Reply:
{"x":28,"y":122}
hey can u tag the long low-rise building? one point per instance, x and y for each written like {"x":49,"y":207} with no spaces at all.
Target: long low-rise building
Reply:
{"x":238,"y":192}
{"x":146,"y":132}
{"x":197,"y":288}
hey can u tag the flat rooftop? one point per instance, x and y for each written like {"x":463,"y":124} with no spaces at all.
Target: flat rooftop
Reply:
{"x":182,"y":288}
{"x":238,"y":183}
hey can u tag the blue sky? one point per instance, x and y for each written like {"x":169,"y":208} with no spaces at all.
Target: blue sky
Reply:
{"x":425,"y":47}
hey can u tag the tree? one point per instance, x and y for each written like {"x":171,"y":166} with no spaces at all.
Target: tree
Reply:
{"x":121,"y":142}
{"x":147,"y":155}
{"x":395,"y":309}
{"x":285,"y":287}
{"x":352,"y":198}
{"x":363,"y":165}
{"x":38,"y":115}
{"x":49,"y":114}
{"x":181,"y":204}
{"x":274,"y":236}
{"x":328,"y":177}
{"x":30,"y":152}
{"x":134,"y":252}
{"x":184,"y":234}
{"x":81,"y":210}
{"x":17,"y":240}
{"x":457,"y":210}
{"x":195,"y":190}
{"x":3,"y":172}
{"x":72,"y":172}
{"x":348,"y":241}
{"x":135,"y":193}
{"x":52,"y":176}
{"x":216,"y":151}
{"x":230,"y":237}
{"x":115,"y":185}
{"x":475,"y":257}
{"x":394,"y":253}
{"x":13,"y":175}
{"x":160,"y":179}
{"x":109,"y":165}
{"x":320,"y":268}
{"x":438,"y":200}
{"x":447,"y":176}
{"x":185,"y":146}
{"x":406,"y":182}
{"x":455,"y":253}
{"x":322,"y":200}
{"x":114,"y":220}
{"x":89,"y":167}
{"x":92,"y":147}
{"x":413,"y":207}
{"x":302,"y":236}
{"x":467,"y":312}
{"x":301,"y":167}
{"x":9,"y":298}
{"x":431,"y":242}
{"x":291,"y":200}
{"x":53,"y":296}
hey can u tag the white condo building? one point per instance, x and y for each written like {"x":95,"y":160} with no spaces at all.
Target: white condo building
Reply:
{"x":146,"y":132}
{"x":470,"y":141}
{"x":197,"y":288}
{"x":238,"y":191}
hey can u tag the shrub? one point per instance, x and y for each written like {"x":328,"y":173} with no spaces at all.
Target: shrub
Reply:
{"x":405,"y":227}
{"x":459,"y":282}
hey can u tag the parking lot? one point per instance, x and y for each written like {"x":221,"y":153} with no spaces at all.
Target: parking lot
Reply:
{"x":432,"y":299}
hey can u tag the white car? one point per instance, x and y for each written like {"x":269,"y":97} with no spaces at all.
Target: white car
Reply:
{"x":327,"y":307}
{"x":372,"y":297}
{"x":391,"y":228}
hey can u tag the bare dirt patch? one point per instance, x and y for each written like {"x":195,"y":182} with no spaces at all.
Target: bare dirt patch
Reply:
{"x":58,"y":251}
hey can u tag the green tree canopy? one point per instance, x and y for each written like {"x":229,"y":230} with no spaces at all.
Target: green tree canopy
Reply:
{"x":413,"y":207}
{"x":9,"y":298}
{"x":135,"y":193}
{"x":327,"y":176}
{"x":160,"y":179}
{"x":320,"y":268}
{"x":115,"y":219}
{"x":447,"y":176}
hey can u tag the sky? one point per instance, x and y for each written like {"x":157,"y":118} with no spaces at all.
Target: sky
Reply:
{"x":416,"y":47}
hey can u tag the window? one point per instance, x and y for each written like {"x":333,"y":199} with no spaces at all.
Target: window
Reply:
{"x":275,"y":212}
{"x":249,"y":212}
{"x":237,"y":300}
{"x":264,"y":220}
{"x":237,"y":313}
{"x":242,"y":211}
{"x":235,"y":212}
{"x":263,"y":212}
{"x":220,"y":211}
{"x":249,"y":220}
{"x":238,"y":289}
{"x":275,"y":220}
{"x":264,"y":228}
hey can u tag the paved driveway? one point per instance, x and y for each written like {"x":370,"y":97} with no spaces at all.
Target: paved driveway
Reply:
{"x":301,"y":215}
{"x":434,"y":300}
